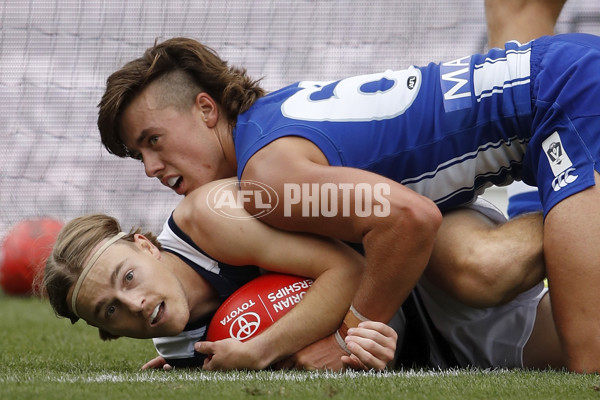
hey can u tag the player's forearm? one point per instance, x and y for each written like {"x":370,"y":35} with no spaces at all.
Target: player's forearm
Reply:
{"x":397,"y":253}
{"x":318,"y":314}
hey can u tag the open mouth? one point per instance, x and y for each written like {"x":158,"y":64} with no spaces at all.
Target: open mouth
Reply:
{"x":157,"y":314}
{"x":174,"y":182}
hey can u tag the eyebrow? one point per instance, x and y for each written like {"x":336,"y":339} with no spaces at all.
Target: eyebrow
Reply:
{"x":143,"y":135}
{"x":113,"y":281}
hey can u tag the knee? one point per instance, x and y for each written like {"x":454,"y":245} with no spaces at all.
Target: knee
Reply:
{"x":484,"y":276}
{"x":497,"y":274}
{"x":469,"y":275}
{"x":482,"y":263}
{"x":481,"y":282}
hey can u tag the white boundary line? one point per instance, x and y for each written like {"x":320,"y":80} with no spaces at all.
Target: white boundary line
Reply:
{"x":202,"y":376}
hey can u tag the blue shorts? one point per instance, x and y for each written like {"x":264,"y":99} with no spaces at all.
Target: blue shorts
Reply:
{"x":561,"y":157}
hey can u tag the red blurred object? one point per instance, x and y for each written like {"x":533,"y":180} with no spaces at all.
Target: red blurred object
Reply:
{"x":256,"y":306}
{"x":24,"y":251}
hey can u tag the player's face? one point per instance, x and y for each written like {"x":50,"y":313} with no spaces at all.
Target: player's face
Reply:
{"x":132,"y":293}
{"x":176,"y":146}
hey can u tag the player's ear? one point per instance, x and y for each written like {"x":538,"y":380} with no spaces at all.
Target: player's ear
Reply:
{"x":207,"y":106}
{"x":143,"y":243}
{"x":106,"y":336}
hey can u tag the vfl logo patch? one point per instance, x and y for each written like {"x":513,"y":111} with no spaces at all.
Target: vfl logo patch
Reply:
{"x":555,"y":153}
{"x":559,"y":160}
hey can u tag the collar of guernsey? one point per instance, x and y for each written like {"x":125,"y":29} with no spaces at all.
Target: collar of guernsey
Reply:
{"x":89,"y":266}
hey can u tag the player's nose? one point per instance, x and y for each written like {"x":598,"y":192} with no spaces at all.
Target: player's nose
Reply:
{"x":152,"y":164}
{"x":133,"y":302}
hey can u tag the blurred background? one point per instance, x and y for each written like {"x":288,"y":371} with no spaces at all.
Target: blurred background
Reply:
{"x":55,"y":56}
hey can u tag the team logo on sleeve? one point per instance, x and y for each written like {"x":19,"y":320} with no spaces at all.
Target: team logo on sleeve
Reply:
{"x":559,"y":160}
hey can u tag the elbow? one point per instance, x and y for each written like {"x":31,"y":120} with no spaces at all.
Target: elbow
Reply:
{"x":411,"y":225}
{"x":411,"y":218}
{"x":421,"y":218}
{"x":416,"y":223}
{"x":431,"y":216}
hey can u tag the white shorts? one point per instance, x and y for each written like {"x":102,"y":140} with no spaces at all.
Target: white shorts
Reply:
{"x":486,"y":338}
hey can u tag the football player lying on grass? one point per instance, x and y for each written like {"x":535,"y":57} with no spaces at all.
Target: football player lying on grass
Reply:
{"x":137,"y":286}
{"x":167,"y":289}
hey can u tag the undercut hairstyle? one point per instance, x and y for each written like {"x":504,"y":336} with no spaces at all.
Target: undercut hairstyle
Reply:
{"x":183,"y":68}
{"x":71,"y":250}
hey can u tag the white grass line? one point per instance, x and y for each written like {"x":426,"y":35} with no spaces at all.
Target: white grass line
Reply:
{"x":201,"y":376}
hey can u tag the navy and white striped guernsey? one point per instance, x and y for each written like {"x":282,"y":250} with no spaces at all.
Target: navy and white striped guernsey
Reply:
{"x":226,"y":279}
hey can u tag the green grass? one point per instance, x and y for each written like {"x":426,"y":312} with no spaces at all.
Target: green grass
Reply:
{"x":43,"y":357}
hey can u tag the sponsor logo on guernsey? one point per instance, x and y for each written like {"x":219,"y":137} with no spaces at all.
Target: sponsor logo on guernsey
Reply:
{"x":454,"y":78}
{"x":559,"y":160}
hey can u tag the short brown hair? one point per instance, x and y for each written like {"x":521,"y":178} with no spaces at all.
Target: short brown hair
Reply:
{"x":230,"y":87}
{"x":72,"y":247}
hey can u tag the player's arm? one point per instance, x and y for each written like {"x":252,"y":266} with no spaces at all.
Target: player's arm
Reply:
{"x":335,"y":267}
{"x":397,"y":244}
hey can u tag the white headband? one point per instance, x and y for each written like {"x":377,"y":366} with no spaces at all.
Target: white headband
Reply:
{"x":89,"y":266}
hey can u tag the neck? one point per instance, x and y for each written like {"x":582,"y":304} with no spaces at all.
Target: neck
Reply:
{"x":202,"y":298}
{"x":228,"y":147}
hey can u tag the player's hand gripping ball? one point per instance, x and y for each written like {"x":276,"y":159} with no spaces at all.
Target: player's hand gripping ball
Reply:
{"x":23,"y":254}
{"x":256,"y":306}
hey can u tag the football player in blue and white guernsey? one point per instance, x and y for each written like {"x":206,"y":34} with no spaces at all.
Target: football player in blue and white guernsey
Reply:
{"x":373,"y":159}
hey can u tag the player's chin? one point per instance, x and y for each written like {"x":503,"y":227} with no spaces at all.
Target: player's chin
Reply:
{"x":168,"y":328}
{"x":172,"y":327}
{"x":163,"y":331}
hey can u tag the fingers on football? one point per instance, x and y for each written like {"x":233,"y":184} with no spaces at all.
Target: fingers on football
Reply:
{"x":204,"y":347}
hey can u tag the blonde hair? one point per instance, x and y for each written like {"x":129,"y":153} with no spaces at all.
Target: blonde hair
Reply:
{"x":72,"y":247}
{"x":200,"y":67}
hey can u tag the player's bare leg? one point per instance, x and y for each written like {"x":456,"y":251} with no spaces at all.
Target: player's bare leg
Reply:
{"x":543,"y":349}
{"x":521,"y":20}
{"x":484,"y":264}
{"x":572,"y":251}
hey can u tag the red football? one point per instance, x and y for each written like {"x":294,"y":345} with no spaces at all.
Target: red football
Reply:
{"x":256,"y":306}
{"x":23,"y":254}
